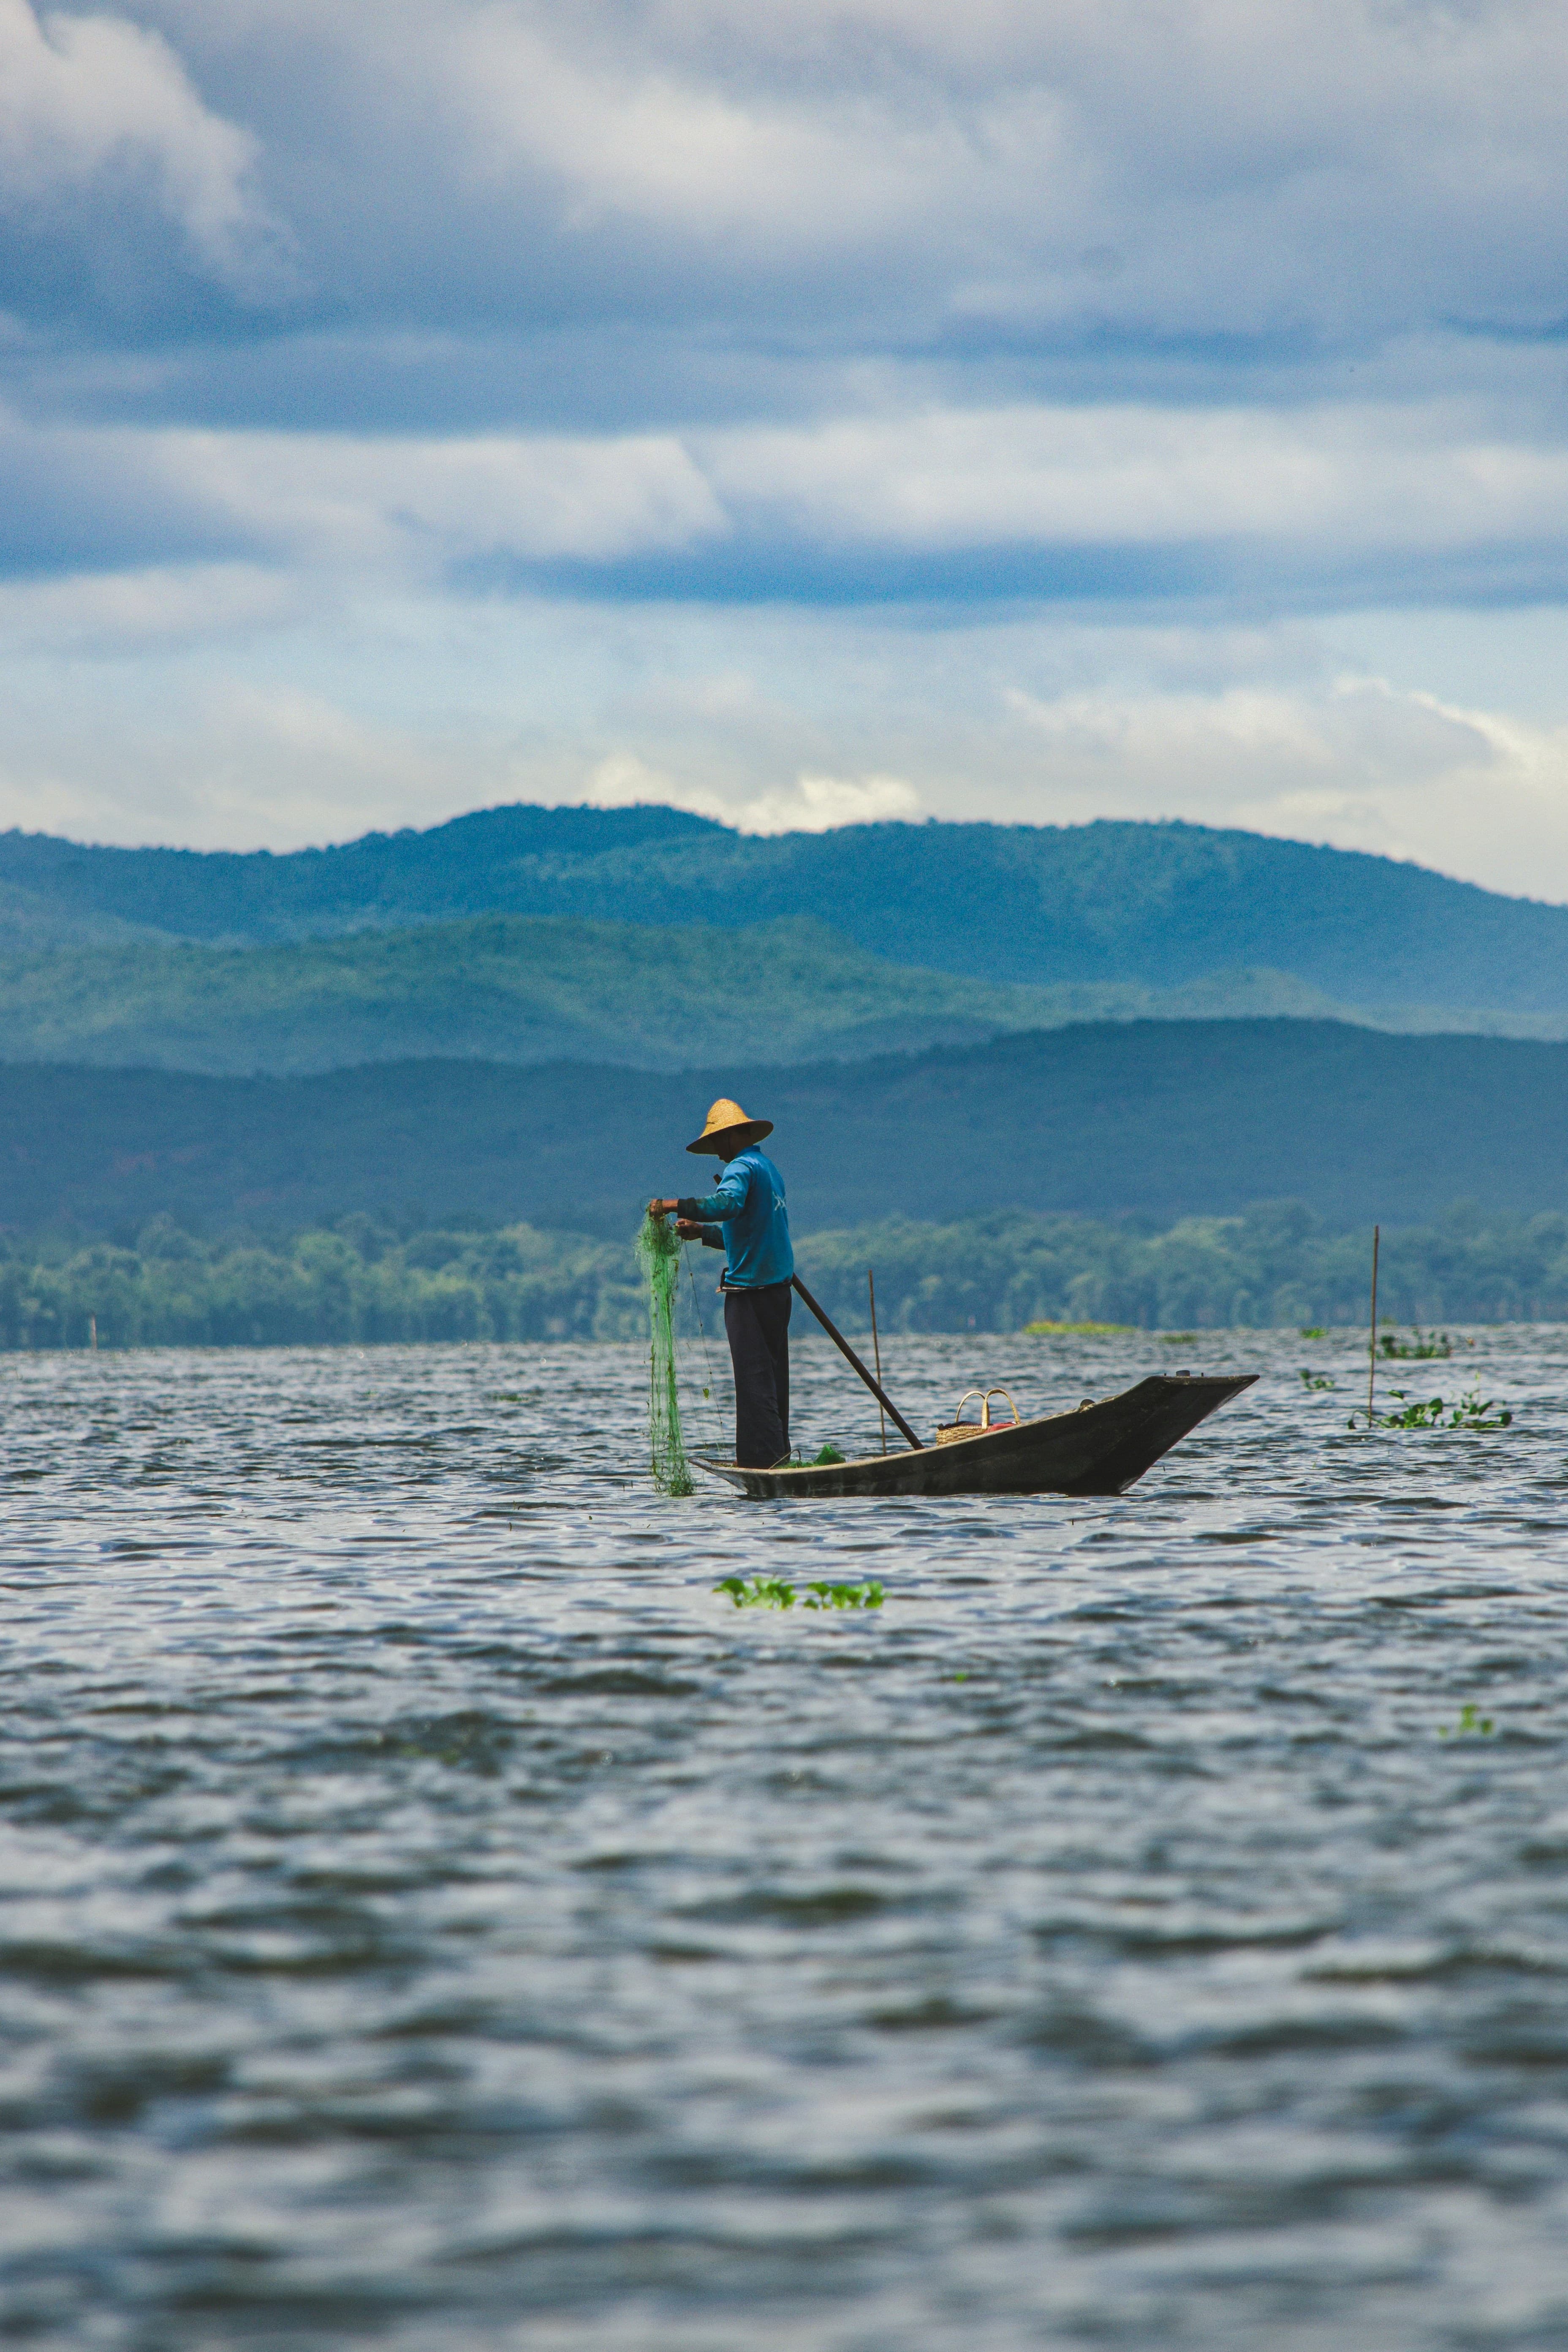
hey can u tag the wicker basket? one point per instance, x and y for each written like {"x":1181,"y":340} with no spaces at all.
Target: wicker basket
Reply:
{"x":949,"y":1432}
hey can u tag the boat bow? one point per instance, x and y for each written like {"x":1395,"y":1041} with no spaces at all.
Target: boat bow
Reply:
{"x":1101,"y":1449}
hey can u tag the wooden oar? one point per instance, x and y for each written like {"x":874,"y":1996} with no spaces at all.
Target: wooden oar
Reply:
{"x":846,"y":1351}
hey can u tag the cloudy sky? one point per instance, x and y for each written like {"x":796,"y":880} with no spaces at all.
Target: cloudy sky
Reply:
{"x":1038,"y":409}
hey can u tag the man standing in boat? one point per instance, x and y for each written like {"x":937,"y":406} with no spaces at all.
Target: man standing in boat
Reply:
{"x":745,"y":1217}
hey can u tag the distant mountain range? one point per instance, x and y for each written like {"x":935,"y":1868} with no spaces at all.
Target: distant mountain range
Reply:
{"x":526,"y":989}
{"x":1157,"y":1119}
{"x":1153,"y":906}
{"x":894,"y":996}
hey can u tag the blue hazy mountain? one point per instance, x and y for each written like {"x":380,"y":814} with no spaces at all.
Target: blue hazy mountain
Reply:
{"x":1145,"y":1119}
{"x":543,"y":988}
{"x":1160,"y":906}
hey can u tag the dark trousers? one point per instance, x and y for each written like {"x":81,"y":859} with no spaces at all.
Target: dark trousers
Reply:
{"x":756,"y":1324}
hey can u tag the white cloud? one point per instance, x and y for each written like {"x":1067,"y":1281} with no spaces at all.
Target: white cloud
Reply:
{"x":337,"y":497}
{"x":321,"y":722}
{"x":1357,"y":765}
{"x":1400,"y":477}
{"x":806,"y":805}
{"x":817,"y":804}
{"x":888,"y":281}
{"x":80,"y":96}
{"x":1303,"y":496}
{"x":248,"y":764}
{"x":342,"y":504}
{"x":175,"y":607}
{"x":1230,"y":743}
{"x":1317,"y":169}
{"x":630,"y":138}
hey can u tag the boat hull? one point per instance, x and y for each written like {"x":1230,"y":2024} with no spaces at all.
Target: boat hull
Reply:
{"x":1101,"y":1449}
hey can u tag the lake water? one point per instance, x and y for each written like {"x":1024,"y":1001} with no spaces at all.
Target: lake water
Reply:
{"x":436,"y":1921}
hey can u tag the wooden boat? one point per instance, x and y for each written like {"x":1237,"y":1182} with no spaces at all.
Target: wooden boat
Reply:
{"x":1099,"y":1449}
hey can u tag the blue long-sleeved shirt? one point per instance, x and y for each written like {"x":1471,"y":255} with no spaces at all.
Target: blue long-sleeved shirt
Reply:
{"x":746,"y":1211}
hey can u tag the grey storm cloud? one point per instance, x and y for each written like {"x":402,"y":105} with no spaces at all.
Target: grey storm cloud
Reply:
{"x":880,"y":298}
{"x":1212,"y":184}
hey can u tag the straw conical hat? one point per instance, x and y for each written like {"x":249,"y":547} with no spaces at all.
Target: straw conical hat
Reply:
{"x":727,"y":1124}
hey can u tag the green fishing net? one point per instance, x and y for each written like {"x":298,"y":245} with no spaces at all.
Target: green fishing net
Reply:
{"x":658,"y":1250}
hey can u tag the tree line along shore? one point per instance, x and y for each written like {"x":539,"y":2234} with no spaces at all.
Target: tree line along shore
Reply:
{"x":364,"y":1280}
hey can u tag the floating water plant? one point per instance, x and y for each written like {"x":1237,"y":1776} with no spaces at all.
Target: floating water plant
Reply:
{"x":1076,"y":1330}
{"x":1423,"y":1344}
{"x":1176,"y":1338}
{"x":1472,"y":1411}
{"x":1314,"y":1331}
{"x":758,"y":1592}
{"x":1317,"y":1381}
{"x":1472,"y":1723}
{"x":773,"y":1592}
{"x":829,"y":1453}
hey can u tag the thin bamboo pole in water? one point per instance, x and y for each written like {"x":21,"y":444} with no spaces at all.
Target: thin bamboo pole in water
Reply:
{"x":1372,"y":1343}
{"x":876,"y":1350}
{"x":847,"y":1352}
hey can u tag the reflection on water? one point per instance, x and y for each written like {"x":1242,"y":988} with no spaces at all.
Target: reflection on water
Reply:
{"x":436,"y":1920}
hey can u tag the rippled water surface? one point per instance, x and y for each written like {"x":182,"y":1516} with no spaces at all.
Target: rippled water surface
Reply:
{"x":435,"y":1919}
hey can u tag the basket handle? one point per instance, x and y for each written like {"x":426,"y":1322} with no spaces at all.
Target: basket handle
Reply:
{"x":985,"y":1406}
{"x":963,"y":1399}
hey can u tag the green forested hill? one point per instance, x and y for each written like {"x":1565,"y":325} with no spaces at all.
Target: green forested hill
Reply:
{"x":1147,"y":1119}
{"x":33,"y":921}
{"x":1157,"y":905}
{"x":493,"y":859}
{"x":517,"y":988}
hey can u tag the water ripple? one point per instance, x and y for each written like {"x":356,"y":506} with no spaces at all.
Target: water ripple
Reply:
{"x":436,"y":1921}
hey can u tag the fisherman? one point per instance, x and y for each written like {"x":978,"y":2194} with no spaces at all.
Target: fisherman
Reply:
{"x":745,"y":1216}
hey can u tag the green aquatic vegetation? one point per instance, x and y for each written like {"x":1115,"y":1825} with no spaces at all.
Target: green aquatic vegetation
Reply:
{"x":1472,"y":1723}
{"x":757,"y":1592}
{"x":1314,"y":1331}
{"x":658,"y":1253}
{"x":775,"y":1593}
{"x":1076,"y":1330}
{"x":1176,"y":1338}
{"x":1317,"y":1381}
{"x":1423,"y":1344}
{"x":1420,"y":1413}
{"x":829,"y":1453}
{"x":1472,"y":1411}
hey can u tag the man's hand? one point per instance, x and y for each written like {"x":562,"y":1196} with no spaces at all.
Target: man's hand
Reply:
{"x":687,"y":1230}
